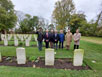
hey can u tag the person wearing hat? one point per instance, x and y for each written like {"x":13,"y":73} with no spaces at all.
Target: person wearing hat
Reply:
{"x":40,"y":38}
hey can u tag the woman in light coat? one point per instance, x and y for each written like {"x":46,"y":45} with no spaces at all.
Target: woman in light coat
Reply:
{"x":68,"y":39}
{"x":76,"y":38}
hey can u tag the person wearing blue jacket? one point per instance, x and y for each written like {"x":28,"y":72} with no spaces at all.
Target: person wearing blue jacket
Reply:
{"x":61,"y":39}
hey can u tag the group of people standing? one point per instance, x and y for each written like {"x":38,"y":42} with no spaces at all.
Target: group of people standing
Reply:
{"x":55,"y":40}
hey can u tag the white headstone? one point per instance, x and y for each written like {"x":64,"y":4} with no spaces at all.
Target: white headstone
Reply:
{"x":25,"y":36}
{"x":35,"y":37}
{"x":21,"y":55}
{"x":5,"y":42}
{"x":15,"y":37}
{"x":2,"y":36}
{"x":16,"y":42}
{"x":0,"y":57}
{"x":9,"y":36}
{"x":27,"y":42}
{"x":78,"y":57}
{"x":30,"y":37}
{"x":5,"y":36}
{"x":37,"y":44}
{"x":22,"y":38}
{"x":19,"y":36}
{"x":49,"y":57}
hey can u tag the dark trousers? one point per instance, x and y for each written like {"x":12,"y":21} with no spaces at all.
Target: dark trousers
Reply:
{"x":47,"y":44}
{"x":0,"y":37}
{"x":56,"y":45}
{"x":40,"y":45}
{"x":51,"y":45}
{"x":61,"y":45}
{"x":76,"y":46}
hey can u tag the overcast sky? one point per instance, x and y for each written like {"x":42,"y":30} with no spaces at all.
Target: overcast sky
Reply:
{"x":44,"y":8}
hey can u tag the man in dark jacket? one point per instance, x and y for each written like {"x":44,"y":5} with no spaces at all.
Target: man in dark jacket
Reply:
{"x":47,"y":38}
{"x":51,"y":39}
{"x":40,"y":38}
{"x":56,"y":38}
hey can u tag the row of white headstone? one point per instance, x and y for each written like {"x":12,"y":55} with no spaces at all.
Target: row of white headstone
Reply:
{"x":6,"y":36}
{"x":26,"y":38}
{"x":49,"y":57}
{"x":22,"y":37}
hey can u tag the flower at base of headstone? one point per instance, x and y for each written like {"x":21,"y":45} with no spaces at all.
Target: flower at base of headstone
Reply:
{"x":36,"y":61}
{"x":34,"y":66}
{"x":8,"y":59}
{"x":38,"y":58}
{"x":55,"y":52}
{"x":93,"y":61}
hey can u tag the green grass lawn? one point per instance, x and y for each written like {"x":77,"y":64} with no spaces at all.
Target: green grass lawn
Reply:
{"x":97,"y":40}
{"x":93,"y":52}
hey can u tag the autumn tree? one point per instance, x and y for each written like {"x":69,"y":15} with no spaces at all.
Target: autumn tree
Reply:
{"x":62,"y":13}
